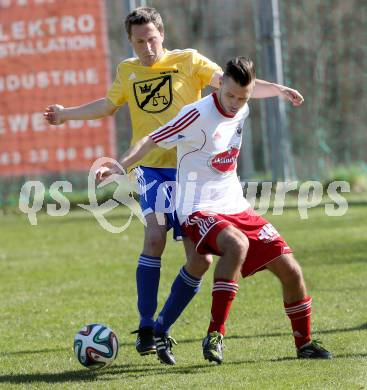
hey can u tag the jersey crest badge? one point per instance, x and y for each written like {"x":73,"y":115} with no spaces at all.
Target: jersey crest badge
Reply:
{"x":225,"y":162}
{"x":154,"y":95}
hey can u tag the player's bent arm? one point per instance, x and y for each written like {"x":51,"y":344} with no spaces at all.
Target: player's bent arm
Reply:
{"x":264,"y":89}
{"x":131,"y":156}
{"x":137,"y":152}
{"x":57,"y":114}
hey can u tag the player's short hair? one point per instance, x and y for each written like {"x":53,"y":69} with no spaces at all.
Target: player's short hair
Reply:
{"x":143,"y":15}
{"x":241,"y":70}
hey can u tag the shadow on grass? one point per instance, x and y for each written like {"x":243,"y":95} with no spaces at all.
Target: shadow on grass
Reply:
{"x":126,"y":370}
{"x":66,"y":376}
{"x":349,"y":355}
{"x":140,"y":371}
{"x":185,"y":341}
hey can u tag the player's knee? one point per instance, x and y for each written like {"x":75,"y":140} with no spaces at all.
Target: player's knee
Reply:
{"x":205,"y":262}
{"x":240,"y":250}
{"x":154,"y":243}
{"x":292,"y":273}
{"x":197,"y":265}
{"x":236,"y":246}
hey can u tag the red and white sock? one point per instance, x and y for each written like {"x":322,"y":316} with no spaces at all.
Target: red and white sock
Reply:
{"x":224,"y":291}
{"x":300,"y":315}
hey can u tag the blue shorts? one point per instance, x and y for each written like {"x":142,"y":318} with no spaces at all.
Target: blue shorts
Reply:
{"x":157,"y":194}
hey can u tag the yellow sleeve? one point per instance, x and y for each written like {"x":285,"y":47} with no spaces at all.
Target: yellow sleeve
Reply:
{"x":116,"y":92}
{"x":203,"y":69}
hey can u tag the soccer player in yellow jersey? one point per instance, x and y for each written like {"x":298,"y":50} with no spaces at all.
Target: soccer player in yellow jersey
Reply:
{"x":156,"y":85}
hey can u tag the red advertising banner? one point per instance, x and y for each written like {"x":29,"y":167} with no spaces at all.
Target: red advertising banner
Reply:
{"x":52,"y":51}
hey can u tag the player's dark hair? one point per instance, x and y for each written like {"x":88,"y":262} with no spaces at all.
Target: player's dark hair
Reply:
{"x":143,"y":15}
{"x":241,"y":70}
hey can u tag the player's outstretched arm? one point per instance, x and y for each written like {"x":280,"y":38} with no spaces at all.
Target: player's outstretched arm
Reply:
{"x":56,"y":114}
{"x":131,"y":156}
{"x":264,"y":89}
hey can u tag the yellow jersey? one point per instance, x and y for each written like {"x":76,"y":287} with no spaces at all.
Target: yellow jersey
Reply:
{"x":155,"y":94}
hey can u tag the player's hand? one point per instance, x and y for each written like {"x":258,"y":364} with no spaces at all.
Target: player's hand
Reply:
{"x":54,"y":114}
{"x":103,"y":172}
{"x":291,"y":95}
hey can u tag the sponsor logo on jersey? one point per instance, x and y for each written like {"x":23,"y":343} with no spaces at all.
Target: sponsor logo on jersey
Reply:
{"x":239,"y":129}
{"x":225,"y":162}
{"x":154,"y":95}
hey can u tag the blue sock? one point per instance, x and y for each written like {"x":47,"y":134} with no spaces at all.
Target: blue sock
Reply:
{"x":147,"y":282}
{"x":183,"y":290}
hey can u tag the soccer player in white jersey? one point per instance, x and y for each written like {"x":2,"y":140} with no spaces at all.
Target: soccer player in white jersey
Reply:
{"x":218,"y":219}
{"x":156,"y":85}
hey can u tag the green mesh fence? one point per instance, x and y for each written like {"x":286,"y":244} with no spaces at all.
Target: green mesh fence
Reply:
{"x":325,"y":56}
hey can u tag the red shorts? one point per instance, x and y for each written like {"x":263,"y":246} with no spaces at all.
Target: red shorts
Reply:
{"x":266,"y":244}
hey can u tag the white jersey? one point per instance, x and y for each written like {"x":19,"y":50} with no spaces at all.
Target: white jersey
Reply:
{"x":208,"y":143}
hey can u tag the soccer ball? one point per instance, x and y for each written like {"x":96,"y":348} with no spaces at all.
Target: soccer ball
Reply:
{"x":96,"y":346}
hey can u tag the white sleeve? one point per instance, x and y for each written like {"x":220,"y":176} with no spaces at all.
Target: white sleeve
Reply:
{"x":177,"y":129}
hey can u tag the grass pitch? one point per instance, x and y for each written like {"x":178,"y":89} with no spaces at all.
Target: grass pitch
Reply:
{"x":67,"y":272}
